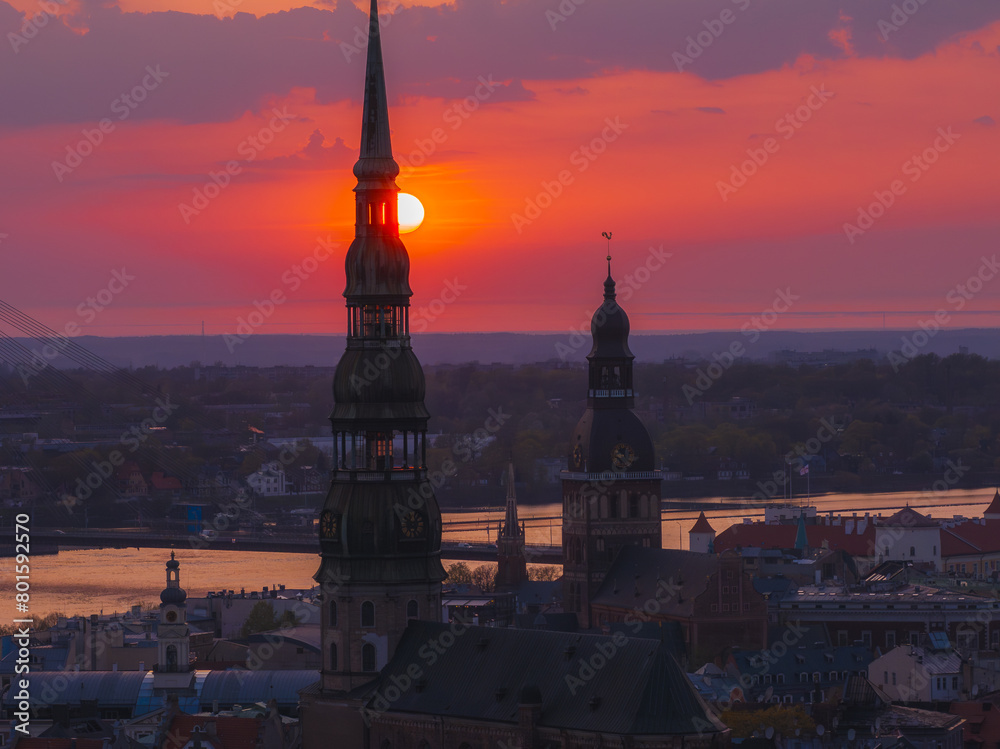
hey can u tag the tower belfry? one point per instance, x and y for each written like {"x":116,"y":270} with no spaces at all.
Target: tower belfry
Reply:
{"x":380,"y":528}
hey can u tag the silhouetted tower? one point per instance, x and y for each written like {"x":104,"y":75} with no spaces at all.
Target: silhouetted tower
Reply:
{"x":512,"y":564}
{"x":380,"y":528}
{"x":611,"y":491}
{"x":173,"y":637}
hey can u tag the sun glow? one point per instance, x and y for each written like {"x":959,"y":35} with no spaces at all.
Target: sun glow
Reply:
{"x":411,"y":213}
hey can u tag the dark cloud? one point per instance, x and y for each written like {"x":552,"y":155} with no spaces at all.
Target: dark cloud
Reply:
{"x":711,"y":110}
{"x":221,"y":68}
{"x":314,"y":155}
{"x":986,"y":121}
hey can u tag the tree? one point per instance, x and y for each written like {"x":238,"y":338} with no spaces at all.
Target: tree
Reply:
{"x":485,"y":577}
{"x":263,"y":619}
{"x":544,"y":572}
{"x":459,"y":574}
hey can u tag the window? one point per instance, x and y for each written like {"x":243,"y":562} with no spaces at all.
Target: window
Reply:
{"x":817,"y":677}
{"x":412,"y":610}
{"x":913,"y":552}
{"x":368,"y":657}
{"x":866,"y":638}
{"x":779,"y":678}
{"x":894,"y":678}
{"x":367,"y":614}
{"x":803,"y":678}
{"x":885,"y":677}
{"x":842,"y":637}
{"x":333,"y":613}
{"x":890,"y":640}
{"x":633,"y":506}
{"x":333,"y":656}
{"x":954,"y":682}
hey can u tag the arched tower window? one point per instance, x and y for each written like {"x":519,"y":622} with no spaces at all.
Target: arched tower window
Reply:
{"x":333,"y":613}
{"x":412,"y":610}
{"x":367,"y":614}
{"x":633,"y":505}
{"x":333,"y":656}
{"x":368,"y":657}
{"x":171,"y":657}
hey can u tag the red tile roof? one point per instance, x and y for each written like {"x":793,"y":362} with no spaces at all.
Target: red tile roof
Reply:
{"x":994,"y":508}
{"x":165,"y":483}
{"x":770,"y":536}
{"x":230,"y":733}
{"x":983,"y":721}
{"x":702,"y":526}
{"x":970,"y":538}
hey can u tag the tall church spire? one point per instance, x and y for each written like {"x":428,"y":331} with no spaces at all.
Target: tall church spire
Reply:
{"x":380,"y":528}
{"x":376,"y":147}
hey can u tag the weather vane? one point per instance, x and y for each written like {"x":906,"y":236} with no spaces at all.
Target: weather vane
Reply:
{"x":607,"y":236}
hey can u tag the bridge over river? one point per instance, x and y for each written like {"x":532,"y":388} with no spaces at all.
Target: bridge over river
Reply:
{"x":48,"y":540}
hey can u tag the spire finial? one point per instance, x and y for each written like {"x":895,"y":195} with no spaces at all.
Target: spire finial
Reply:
{"x":609,"y":283}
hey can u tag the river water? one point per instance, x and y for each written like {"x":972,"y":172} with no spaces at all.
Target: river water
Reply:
{"x":92,"y":581}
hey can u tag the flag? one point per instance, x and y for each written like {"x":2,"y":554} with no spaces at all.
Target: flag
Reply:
{"x":804,"y":470}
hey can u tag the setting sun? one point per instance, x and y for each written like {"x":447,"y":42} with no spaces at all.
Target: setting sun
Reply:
{"x":411,"y":213}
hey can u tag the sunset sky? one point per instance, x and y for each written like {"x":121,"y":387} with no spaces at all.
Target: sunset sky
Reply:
{"x":492,"y":100}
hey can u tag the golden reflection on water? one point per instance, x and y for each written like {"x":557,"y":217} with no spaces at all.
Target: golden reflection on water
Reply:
{"x":108,"y":580}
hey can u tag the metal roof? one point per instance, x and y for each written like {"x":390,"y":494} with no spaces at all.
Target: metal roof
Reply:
{"x":638,"y":689}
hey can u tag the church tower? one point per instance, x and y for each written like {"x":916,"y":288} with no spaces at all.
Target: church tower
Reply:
{"x":380,"y":528}
{"x":173,"y":667}
{"x":611,"y":491}
{"x":512,"y":564}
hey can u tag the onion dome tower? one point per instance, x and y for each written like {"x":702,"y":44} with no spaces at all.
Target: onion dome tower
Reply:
{"x":380,"y":528}
{"x":611,"y":491}
{"x":173,"y":636}
{"x":512,"y":564}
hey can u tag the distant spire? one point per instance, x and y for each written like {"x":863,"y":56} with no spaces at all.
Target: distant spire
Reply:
{"x":511,"y":526}
{"x":375,"y":142}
